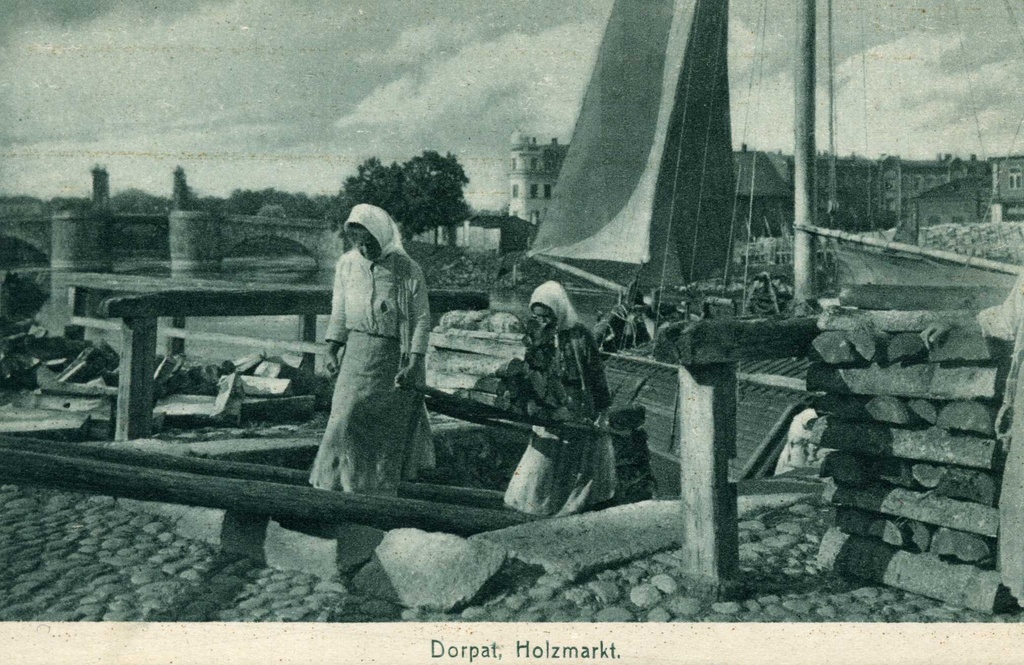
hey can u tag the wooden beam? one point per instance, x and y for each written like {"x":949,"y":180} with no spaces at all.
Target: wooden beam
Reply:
{"x":966,"y":547}
{"x":914,"y":250}
{"x":734,"y":340}
{"x":614,"y":287}
{"x":840,"y":318}
{"x":243,"y":471}
{"x":248,"y":496}
{"x":502,"y":345}
{"x":920,"y":381}
{"x":907,"y":297}
{"x":220,"y":302}
{"x":925,"y":445}
{"x":76,"y":307}
{"x":920,"y":506}
{"x":710,"y":536}
{"x":135,"y":385}
{"x":924,"y":574}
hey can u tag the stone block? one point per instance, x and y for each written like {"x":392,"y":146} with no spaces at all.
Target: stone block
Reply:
{"x":429,"y":570}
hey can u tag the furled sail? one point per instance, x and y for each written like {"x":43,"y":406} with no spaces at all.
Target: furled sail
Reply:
{"x":648,"y":176}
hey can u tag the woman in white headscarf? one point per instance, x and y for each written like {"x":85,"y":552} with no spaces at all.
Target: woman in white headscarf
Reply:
{"x":567,"y":471}
{"x":377,"y":433}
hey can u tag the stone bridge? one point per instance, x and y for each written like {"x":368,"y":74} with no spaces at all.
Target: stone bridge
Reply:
{"x":193,"y":241}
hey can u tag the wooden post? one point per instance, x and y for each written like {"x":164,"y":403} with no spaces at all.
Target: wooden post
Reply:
{"x":76,"y":304}
{"x":135,"y":389}
{"x":707,"y":407}
{"x":176,"y":345}
{"x":307,"y":333}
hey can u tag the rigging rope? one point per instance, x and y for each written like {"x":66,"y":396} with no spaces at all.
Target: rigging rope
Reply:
{"x":832,"y":202}
{"x":864,"y":101}
{"x":970,"y":81}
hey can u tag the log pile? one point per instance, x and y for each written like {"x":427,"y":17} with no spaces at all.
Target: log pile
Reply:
{"x":997,"y":241}
{"x":915,"y":468}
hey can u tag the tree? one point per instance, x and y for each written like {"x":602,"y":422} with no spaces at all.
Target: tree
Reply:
{"x":421,"y":194}
{"x":433,"y":189}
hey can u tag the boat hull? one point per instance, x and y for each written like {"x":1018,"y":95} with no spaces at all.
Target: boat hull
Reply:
{"x":859,"y":265}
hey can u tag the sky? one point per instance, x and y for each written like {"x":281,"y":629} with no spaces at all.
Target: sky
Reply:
{"x":293,"y":94}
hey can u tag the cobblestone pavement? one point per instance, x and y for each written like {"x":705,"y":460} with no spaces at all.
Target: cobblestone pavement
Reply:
{"x":69,"y":557}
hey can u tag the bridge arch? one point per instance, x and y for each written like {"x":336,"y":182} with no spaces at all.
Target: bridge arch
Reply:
{"x":273,"y":252}
{"x":16,"y":251}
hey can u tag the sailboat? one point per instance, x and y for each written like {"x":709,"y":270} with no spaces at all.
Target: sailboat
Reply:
{"x":646,"y":192}
{"x":645,"y":198}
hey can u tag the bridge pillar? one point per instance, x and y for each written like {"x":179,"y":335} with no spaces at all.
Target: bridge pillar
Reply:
{"x":77,"y":242}
{"x":195,"y":242}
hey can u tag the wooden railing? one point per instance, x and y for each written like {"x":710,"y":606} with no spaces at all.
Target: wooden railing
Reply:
{"x":706,"y":353}
{"x":143,"y":300}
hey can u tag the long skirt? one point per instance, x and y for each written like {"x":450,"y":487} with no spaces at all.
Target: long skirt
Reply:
{"x":1011,"y":503}
{"x":376,"y":434}
{"x":562,"y":476}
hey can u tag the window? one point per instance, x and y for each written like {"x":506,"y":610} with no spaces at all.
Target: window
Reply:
{"x":1015,"y":177}
{"x":533,"y":191}
{"x":515,"y":191}
{"x":514,"y":164}
{"x":533,"y":163}
{"x":547,"y":191}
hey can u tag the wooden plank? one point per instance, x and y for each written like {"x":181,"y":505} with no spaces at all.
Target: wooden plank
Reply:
{"x":248,"y":496}
{"x":227,"y":406}
{"x":43,"y":422}
{"x":458,"y":362}
{"x":258,"y":386}
{"x":500,"y":345}
{"x":448,"y":381}
{"x":733,"y":340}
{"x":58,"y":403}
{"x":921,"y":381}
{"x":910,"y":297}
{"x":920,"y":506}
{"x":840,"y":318}
{"x":707,"y":406}
{"x":924,"y":574}
{"x":925,"y":445}
{"x":241,"y":340}
{"x":135,"y":387}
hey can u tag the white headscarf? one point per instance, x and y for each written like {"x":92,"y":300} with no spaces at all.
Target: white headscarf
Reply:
{"x":553,"y":295}
{"x":380,"y":225}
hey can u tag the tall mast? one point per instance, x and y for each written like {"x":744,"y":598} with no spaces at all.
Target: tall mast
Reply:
{"x":804,"y":153}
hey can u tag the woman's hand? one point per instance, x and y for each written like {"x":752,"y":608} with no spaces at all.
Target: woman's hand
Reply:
{"x":335,"y":352}
{"x":413,"y":374}
{"x":935,"y":333}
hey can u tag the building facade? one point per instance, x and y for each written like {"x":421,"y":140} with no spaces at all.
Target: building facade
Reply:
{"x":533,"y":172}
{"x":1007,"y":175}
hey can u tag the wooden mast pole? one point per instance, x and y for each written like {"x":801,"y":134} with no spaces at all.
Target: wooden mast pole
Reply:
{"x":804,"y":153}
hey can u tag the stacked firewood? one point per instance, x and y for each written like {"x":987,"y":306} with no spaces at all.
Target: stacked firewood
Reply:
{"x":998,"y":241}
{"x":915,"y":466}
